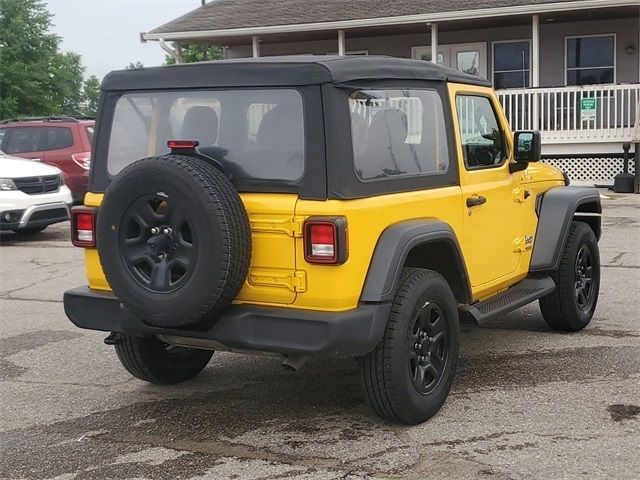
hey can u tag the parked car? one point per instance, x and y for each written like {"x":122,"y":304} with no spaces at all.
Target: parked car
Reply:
{"x":32,"y":195}
{"x":305,"y":206}
{"x":61,"y":141}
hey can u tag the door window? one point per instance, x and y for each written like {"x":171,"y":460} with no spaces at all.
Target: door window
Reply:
{"x":55,"y":138}
{"x":483,"y":144}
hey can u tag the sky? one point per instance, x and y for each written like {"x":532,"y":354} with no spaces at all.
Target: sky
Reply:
{"x":106,"y":33}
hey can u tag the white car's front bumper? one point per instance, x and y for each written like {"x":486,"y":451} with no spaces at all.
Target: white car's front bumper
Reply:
{"x":20,"y":211}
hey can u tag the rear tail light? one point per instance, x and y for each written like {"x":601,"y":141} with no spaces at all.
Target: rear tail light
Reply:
{"x":83,"y":226}
{"x":182,"y":144}
{"x":82,"y":159}
{"x":325,"y":240}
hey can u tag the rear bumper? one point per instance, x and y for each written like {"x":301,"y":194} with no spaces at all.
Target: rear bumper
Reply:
{"x":287,"y":331}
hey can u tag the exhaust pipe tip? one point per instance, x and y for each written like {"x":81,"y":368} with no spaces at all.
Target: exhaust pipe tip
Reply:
{"x":293,"y":363}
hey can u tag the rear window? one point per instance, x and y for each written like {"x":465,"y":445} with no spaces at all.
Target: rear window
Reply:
{"x":38,"y":139}
{"x":258,"y":133}
{"x":398,"y":133}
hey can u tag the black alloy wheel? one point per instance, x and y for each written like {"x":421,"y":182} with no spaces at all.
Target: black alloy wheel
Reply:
{"x":428,"y":347}
{"x":158,"y":243}
{"x":584,"y":279}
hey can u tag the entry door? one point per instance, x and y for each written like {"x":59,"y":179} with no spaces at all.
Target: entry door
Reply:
{"x":493,"y":212}
{"x":470,"y":58}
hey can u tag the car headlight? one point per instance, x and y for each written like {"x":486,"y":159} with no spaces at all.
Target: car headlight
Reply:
{"x":7,"y":184}
{"x":61,"y":179}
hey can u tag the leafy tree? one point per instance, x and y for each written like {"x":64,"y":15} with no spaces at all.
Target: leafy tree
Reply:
{"x":66,"y":83}
{"x":91,"y":94}
{"x":35,"y":77}
{"x":195,"y":52}
{"x":134,"y":66}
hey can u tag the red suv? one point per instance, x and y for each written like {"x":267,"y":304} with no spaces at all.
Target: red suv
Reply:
{"x":61,"y":141}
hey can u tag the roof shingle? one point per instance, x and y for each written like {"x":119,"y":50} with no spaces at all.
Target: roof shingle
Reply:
{"x":230,"y":14}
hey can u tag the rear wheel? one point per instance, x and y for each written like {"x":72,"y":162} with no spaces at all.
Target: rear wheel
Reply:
{"x":407,"y":377}
{"x":153,"y":361}
{"x":572,"y":304}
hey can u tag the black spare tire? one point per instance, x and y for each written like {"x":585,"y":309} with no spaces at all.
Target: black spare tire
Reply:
{"x":174,"y":240}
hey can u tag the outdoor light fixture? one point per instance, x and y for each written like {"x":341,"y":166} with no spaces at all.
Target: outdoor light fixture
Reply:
{"x":630,"y":49}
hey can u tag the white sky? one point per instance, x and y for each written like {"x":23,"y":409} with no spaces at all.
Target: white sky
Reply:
{"x":106,"y":33}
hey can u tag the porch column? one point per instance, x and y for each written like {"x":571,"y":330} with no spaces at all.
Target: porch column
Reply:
{"x":535,"y":70}
{"x":341,"y":43}
{"x":434,"y":42}
{"x":535,"y":52}
{"x":255,"y":44}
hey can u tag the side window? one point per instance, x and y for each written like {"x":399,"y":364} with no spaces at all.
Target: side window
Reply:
{"x":55,"y":138}
{"x":23,"y":140}
{"x":398,"y":133}
{"x":483,"y":144}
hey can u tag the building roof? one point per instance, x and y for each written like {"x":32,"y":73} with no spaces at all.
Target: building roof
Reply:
{"x":229,"y":15}
{"x":283,"y":71}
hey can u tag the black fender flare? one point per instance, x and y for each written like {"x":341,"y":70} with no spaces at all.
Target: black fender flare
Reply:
{"x":393,"y":248}
{"x":556,"y":211}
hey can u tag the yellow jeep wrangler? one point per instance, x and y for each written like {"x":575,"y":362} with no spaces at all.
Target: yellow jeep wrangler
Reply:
{"x":300,"y":206}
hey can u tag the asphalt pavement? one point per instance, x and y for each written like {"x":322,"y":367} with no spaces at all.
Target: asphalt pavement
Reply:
{"x":526,"y":403}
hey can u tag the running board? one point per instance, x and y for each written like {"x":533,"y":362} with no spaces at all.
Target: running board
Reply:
{"x":523,"y":292}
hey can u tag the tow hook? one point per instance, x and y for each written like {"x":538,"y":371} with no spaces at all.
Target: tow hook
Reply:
{"x":113,"y":339}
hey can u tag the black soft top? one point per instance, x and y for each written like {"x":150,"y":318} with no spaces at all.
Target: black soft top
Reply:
{"x":284,"y":71}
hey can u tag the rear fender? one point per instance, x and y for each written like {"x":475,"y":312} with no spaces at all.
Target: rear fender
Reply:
{"x":422,"y":243}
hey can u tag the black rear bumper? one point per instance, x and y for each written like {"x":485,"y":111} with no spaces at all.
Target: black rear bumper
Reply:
{"x":246,"y":327}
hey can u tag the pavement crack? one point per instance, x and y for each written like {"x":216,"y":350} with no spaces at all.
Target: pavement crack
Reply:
{"x":24,"y":299}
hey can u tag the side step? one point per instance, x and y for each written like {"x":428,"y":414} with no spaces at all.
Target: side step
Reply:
{"x":523,"y":292}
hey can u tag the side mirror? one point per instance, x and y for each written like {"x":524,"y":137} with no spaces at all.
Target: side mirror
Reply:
{"x":528,"y":145}
{"x":528,"y":148}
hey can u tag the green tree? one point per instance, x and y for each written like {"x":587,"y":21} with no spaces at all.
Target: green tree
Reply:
{"x":194,"y":52}
{"x":91,"y":94}
{"x":134,"y":66}
{"x":67,"y":83}
{"x":35,"y":77}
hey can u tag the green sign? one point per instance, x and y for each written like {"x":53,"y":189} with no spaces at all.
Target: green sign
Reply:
{"x":588,"y":109}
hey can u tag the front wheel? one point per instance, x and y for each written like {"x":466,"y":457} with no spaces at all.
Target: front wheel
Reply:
{"x":572,"y":304}
{"x":151,"y":360}
{"x":407,"y":377}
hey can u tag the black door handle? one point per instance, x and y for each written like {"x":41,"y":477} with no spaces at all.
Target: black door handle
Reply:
{"x":475,"y":201}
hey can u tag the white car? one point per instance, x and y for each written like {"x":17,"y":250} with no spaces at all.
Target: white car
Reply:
{"x":32,"y":195}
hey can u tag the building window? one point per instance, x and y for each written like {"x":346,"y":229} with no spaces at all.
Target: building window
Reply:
{"x":591,"y":60}
{"x":511,"y":64}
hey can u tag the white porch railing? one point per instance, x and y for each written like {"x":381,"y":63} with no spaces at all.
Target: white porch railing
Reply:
{"x":560,"y":114}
